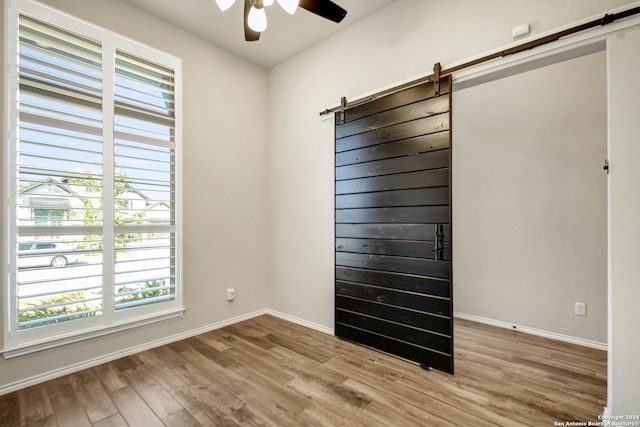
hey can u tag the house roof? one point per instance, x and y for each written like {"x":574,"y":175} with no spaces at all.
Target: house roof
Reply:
{"x":43,"y":202}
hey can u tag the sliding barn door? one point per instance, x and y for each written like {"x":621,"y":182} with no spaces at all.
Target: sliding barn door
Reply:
{"x":393,"y":225}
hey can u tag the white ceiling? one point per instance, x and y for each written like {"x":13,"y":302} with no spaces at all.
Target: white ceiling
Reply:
{"x":285,"y":36}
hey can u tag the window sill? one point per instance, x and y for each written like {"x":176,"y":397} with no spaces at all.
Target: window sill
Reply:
{"x":35,"y":346}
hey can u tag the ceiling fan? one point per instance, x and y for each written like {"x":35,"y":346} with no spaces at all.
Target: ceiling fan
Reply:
{"x":255,"y":17}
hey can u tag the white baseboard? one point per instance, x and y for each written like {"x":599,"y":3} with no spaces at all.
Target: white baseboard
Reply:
{"x":37,"y":379}
{"x":302,"y":322}
{"x":532,"y":331}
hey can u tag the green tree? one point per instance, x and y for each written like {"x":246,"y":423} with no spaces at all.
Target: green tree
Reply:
{"x":91,"y":197}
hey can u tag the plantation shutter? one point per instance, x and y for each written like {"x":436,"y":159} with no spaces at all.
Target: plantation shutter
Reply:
{"x":144,"y":146}
{"x":94,"y":231}
{"x":59,"y":175}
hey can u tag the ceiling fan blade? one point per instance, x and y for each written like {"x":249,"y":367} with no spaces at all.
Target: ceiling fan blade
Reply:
{"x":249,"y":34}
{"x":325,"y":8}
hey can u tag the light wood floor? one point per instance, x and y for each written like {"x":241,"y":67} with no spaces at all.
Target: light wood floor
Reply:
{"x":270,"y":372}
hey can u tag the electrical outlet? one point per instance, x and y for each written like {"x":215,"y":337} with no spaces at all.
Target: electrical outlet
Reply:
{"x":581,"y":308}
{"x":231,"y":294}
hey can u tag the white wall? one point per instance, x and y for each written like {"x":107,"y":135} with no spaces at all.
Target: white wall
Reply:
{"x":224,"y":187}
{"x":401,"y":41}
{"x":624,"y":223}
{"x":530,"y":198}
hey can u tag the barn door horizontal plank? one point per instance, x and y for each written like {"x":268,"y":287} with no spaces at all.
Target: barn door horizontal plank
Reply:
{"x":393,"y":231}
{"x":422,"y":267}
{"x":435,"y":323}
{"x":406,"y":215}
{"x":411,"y":129}
{"x":417,"y":162}
{"x":396,"y":347}
{"x":411,"y":335}
{"x":403,"y":147}
{"x":406,"y":282}
{"x":406,"y":248}
{"x":403,"y":97}
{"x":392,"y":297}
{"x":398,"y":198}
{"x":422,"y":179}
{"x":405,"y":113}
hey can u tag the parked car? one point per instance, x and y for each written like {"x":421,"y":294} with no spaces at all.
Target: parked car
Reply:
{"x":45,"y":255}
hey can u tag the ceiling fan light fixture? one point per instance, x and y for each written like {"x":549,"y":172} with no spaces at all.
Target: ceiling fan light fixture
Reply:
{"x":225,"y":4}
{"x":267,"y":2}
{"x":257,"y":19}
{"x":290,"y":6}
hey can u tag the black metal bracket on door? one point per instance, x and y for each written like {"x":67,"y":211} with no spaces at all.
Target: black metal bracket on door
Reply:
{"x":343,"y":104}
{"x":438,"y":246}
{"x":437,"y":68}
{"x":606,"y":166}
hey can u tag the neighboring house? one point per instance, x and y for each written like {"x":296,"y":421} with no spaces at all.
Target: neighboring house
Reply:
{"x":47,"y":203}
{"x":55,"y":202}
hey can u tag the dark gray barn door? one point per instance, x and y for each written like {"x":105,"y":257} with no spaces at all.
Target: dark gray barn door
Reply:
{"x":393,"y":225}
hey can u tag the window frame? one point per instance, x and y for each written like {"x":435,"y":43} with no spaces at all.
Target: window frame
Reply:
{"x":19,"y":342}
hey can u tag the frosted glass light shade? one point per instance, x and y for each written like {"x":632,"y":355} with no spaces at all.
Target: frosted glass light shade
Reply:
{"x":267,"y":2}
{"x":289,"y":5}
{"x":257,"y":19}
{"x":225,"y":4}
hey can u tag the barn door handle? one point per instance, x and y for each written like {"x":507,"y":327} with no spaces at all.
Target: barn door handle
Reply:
{"x":438,"y":245}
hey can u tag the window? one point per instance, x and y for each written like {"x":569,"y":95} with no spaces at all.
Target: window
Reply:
{"x":93,"y":177}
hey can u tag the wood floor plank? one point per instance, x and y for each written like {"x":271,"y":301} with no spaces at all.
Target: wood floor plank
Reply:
{"x":160,"y":369}
{"x":125,"y":364}
{"x":157,"y":398}
{"x":211,"y":370}
{"x":204,"y":411}
{"x":36,"y":404}
{"x":308,"y":369}
{"x":250,"y":333}
{"x":323,"y":415}
{"x":261,"y":361}
{"x":551,"y":389}
{"x":110,"y":377}
{"x":205,"y":396}
{"x":349,"y":411}
{"x":68,"y":410}
{"x":49,"y":421}
{"x":92,"y":395}
{"x":181,"y":418}
{"x":10,"y":409}
{"x":58,"y":385}
{"x":317,"y":354}
{"x":211,"y":353}
{"x":269,"y":372}
{"x":133,"y":409}
{"x":115,"y":420}
{"x":262,"y":386}
{"x":366,"y":374}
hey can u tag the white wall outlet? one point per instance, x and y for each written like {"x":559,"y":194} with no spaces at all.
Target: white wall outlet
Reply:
{"x":581,"y":308}
{"x":231,"y":294}
{"x":520,"y":31}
